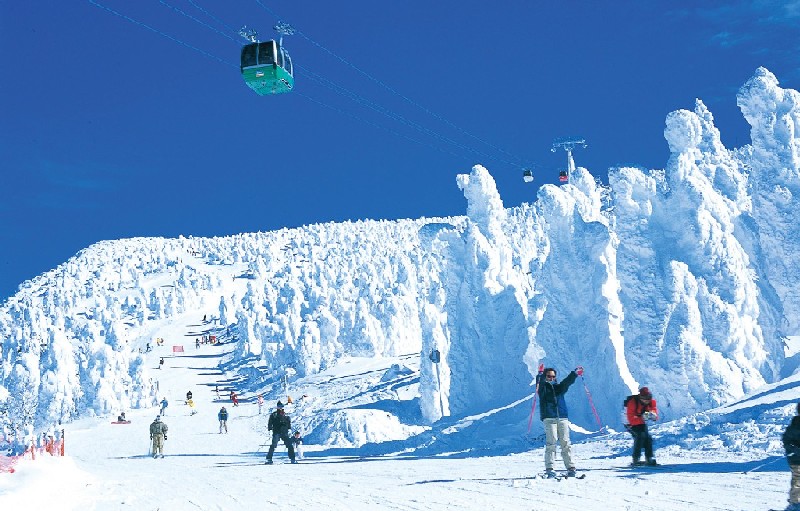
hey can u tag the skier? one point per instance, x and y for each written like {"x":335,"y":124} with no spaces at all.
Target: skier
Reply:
{"x":260,"y":403}
{"x":158,"y":434}
{"x":121,"y":417}
{"x":640,"y":409}
{"x":553,"y":412}
{"x":791,"y":443}
{"x":234,"y":399}
{"x":161,"y":362}
{"x":280,"y":424}
{"x":297,"y":443}
{"x":189,"y":395}
{"x":164,"y":405}
{"x":223,"y":419}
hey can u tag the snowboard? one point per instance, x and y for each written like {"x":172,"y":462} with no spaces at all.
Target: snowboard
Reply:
{"x":120,"y":422}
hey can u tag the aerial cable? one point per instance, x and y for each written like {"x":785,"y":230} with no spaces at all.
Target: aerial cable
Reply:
{"x":157,"y":31}
{"x":314,"y":77}
{"x":393,"y":91}
{"x":388,"y":113}
{"x":376,"y":125}
{"x":186,"y":14}
{"x":348,"y":93}
{"x":225,"y":25}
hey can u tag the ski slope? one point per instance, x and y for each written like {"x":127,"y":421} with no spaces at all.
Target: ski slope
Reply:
{"x":108,"y":467}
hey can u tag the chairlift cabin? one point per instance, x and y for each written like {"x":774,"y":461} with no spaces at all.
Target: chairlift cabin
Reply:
{"x":563,"y":176}
{"x":527,"y":176}
{"x":267,"y":68}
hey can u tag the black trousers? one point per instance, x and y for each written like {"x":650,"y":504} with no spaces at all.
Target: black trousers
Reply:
{"x":641,"y":440}
{"x":286,"y":441}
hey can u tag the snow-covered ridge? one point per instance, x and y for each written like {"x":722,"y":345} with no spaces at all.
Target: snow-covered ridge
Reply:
{"x":678,"y":278}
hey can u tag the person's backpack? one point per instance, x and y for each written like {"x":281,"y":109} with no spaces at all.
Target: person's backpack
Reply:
{"x":625,"y":411}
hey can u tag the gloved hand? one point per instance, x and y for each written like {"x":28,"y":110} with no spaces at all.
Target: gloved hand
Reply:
{"x":151,"y":437}
{"x":649,"y":416}
{"x":165,"y":438}
{"x":579,"y":370}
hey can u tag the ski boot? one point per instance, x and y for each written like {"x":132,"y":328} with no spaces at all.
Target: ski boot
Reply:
{"x":572,"y":472}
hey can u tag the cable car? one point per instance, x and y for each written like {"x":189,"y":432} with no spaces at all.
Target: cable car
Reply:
{"x":563,"y":176}
{"x":527,"y":175}
{"x":267,"y":68}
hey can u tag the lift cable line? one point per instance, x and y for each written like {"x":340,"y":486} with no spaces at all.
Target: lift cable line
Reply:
{"x":186,"y":14}
{"x":517,"y":161}
{"x":285,"y":28}
{"x":353,"y":96}
{"x":228,"y":28}
{"x":157,"y":31}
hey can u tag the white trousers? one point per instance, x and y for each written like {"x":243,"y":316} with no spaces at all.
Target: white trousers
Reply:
{"x":557,"y":430}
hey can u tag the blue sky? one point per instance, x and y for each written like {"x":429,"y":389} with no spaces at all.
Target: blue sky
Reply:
{"x":109,"y":129}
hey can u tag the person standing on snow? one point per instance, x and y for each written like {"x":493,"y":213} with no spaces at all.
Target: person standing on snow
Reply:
{"x":164,"y":405}
{"x":553,"y":412}
{"x":791,"y":443}
{"x":280,"y":424}
{"x":234,"y":398}
{"x":640,"y":409}
{"x":223,"y":419}
{"x":297,"y":443}
{"x":260,"y":403}
{"x":158,"y":434}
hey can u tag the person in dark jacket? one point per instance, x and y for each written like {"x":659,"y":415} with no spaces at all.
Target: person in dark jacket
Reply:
{"x":791,"y":443}
{"x":280,"y":424}
{"x":223,"y":420}
{"x":554,"y":415}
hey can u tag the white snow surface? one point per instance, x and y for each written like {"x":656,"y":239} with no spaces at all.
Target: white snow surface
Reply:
{"x":682,"y":279}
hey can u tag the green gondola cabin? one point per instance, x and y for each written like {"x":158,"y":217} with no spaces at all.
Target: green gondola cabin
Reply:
{"x":267,"y":68}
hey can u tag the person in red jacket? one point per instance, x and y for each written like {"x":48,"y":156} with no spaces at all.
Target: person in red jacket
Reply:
{"x":641,"y":409}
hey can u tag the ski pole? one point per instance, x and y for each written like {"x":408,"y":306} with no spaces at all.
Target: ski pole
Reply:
{"x":591,"y":403}
{"x":779,"y":458}
{"x":535,"y":395}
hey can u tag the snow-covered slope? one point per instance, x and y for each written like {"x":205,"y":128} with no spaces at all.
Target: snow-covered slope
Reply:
{"x":710,"y":462}
{"x":678,"y":278}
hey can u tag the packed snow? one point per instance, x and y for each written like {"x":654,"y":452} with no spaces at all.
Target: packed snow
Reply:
{"x":409,"y":347}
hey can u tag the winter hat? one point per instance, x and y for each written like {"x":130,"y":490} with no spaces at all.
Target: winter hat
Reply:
{"x":158,"y":417}
{"x":280,"y":405}
{"x":645,"y":392}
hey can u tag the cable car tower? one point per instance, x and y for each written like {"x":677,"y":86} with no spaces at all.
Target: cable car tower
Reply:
{"x":568,"y":144}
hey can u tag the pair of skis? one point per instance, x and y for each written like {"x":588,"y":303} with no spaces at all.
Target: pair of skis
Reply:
{"x":559,"y":475}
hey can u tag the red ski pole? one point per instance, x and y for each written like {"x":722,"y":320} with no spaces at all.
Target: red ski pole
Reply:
{"x":591,"y":403}
{"x":535,"y":395}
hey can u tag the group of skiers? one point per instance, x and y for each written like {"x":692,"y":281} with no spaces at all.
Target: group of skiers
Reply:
{"x":639,"y":410}
{"x":279,"y":424}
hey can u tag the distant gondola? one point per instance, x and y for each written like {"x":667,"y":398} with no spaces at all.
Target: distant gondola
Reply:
{"x":267,"y":68}
{"x":563,"y":176}
{"x":527,"y":175}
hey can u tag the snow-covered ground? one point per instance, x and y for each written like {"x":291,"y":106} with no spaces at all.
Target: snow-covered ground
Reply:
{"x":107,"y":467}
